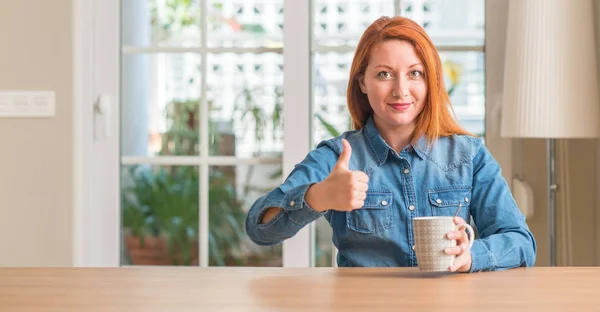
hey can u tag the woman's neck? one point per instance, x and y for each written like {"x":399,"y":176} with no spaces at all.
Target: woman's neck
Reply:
{"x":395,"y":137}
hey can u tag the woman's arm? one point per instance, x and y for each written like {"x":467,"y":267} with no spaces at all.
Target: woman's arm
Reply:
{"x":505,"y":240}
{"x":315,"y":198}
{"x":282,"y":212}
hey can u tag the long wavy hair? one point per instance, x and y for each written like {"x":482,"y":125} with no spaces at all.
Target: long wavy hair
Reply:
{"x":436,"y":119}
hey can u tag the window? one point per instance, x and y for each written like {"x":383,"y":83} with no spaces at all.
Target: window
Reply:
{"x":201,"y":128}
{"x":457,"y":28}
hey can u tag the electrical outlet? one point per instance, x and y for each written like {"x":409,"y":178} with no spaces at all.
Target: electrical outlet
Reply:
{"x":15,"y":104}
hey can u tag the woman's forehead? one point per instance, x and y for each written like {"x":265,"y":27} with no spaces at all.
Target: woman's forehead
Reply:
{"x":394,"y":53}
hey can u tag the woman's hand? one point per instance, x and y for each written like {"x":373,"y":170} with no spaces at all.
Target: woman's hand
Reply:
{"x":462,"y":262}
{"x":343,"y":189}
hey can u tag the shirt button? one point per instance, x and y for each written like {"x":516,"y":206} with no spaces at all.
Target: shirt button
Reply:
{"x":413,"y":247}
{"x":466,"y":199}
{"x":406,"y":171}
{"x":439,"y":201}
{"x":292,"y":203}
{"x":411,"y":207}
{"x":384,"y":203}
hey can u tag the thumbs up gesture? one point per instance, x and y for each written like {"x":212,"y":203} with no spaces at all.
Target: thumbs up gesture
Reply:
{"x":343,"y":189}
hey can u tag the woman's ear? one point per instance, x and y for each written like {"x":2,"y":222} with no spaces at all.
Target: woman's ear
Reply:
{"x":361,"y":83}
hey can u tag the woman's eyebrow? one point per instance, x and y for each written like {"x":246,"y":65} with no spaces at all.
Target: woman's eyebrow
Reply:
{"x":389,"y":67}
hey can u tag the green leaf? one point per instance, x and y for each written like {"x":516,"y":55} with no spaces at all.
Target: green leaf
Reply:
{"x":253,"y":28}
{"x":329,"y":127}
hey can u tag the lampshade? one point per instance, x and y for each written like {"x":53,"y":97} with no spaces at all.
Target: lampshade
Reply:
{"x":550,"y":74}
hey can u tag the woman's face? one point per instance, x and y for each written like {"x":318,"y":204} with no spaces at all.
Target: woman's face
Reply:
{"x":395,"y":84}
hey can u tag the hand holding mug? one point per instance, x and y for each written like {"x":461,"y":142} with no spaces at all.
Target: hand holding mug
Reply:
{"x":462,"y":250}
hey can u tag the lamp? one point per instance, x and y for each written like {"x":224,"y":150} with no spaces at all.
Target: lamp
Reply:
{"x":550,"y":79}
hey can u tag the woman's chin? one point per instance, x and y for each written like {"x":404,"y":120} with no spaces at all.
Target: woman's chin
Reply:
{"x":400,"y":124}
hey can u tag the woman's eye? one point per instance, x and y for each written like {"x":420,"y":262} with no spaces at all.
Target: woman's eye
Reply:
{"x":416,"y":73}
{"x":384,"y":74}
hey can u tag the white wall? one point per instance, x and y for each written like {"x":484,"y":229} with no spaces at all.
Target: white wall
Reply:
{"x":35,"y":154}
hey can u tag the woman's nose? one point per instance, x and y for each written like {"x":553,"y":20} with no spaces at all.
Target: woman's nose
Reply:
{"x":401,"y":88}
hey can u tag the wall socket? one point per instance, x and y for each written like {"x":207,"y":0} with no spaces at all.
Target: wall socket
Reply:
{"x":14,"y":104}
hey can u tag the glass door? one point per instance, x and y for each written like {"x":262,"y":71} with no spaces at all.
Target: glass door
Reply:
{"x":202,"y":135}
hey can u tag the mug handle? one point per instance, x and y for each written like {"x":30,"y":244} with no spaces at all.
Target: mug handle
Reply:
{"x":470,"y":234}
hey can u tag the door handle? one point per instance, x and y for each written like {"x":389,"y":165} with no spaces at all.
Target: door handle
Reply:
{"x":103,"y":108}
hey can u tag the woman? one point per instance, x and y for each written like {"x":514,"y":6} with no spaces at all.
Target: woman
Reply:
{"x":406,"y":158}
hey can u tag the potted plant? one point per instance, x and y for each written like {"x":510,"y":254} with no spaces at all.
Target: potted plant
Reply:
{"x":160,"y":216}
{"x":160,"y":204}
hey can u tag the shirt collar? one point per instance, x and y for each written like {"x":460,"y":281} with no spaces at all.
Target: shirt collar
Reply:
{"x":381,"y":149}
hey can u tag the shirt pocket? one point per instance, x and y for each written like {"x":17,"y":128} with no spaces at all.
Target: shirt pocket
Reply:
{"x":445,"y":201}
{"x":375,"y":216}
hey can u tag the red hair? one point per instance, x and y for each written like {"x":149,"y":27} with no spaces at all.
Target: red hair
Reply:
{"x":435,"y":119}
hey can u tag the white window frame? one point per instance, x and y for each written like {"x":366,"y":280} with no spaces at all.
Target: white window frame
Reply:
{"x":95,"y":230}
{"x":96,"y":62}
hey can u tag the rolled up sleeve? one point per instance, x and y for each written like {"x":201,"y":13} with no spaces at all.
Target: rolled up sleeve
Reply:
{"x":290,"y":197}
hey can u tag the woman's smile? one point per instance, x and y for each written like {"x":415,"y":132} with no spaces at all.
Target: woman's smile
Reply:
{"x":400,"y":107}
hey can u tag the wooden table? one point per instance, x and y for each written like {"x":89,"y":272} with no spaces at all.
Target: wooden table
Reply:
{"x":296,"y":289}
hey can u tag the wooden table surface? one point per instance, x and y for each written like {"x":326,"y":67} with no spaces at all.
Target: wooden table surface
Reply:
{"x":297,"y":289}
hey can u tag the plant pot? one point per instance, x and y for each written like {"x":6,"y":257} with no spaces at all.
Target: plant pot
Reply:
{"x":155,"y":251}
{"x":254,"y":260}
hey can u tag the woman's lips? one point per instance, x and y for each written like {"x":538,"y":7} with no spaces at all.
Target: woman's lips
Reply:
{"x":400,"y":106}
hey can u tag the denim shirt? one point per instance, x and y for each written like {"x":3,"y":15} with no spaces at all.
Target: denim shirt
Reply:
{"x":421,"y":181}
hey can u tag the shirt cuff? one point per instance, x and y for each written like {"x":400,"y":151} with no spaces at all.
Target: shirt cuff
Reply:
{"x":482,"y":258}
{"x":297,"y":209}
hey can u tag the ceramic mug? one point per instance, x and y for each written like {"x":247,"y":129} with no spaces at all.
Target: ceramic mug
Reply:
{"x":431,"y":239}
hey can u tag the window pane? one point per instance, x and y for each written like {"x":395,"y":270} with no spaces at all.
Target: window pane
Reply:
{"x":342,"y":22}
{"x":159,"y":215}
{"x":159,"y":104}
{"x":464,"y":75}
{"x":456,"y":22}
{"x":323,"y":243}
{"x":232,"y":191}
{"x":160,"y":23}
{"x":245,"y":94}
{"x":245,"y":23}
{"x":331,"y":116}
